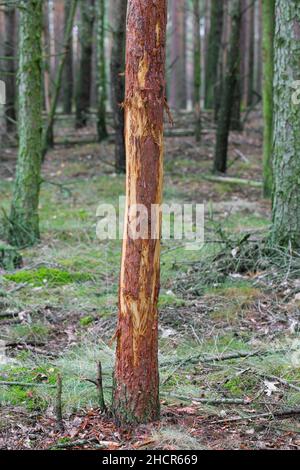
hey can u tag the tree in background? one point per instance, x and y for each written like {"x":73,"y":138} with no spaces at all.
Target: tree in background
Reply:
{"x":178,"y":88}
{"x":101,"y":71}
{"x":24,"y":220}
{"x":9,"y":63}
{"x":268,"y":70}
{"x":197,"y":68}
{"x":228,"y":91}
{"x":68,"y":80}
{"x":286,"y":153}
{"x":83,"y":87}
{"x":213,"y":52}
{"x":136,"y":380}
{"x":117,"y":71}
{"x":48,"y":140}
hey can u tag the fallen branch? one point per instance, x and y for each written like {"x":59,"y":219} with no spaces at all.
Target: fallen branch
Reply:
{"x":210,"y":401}
{"x":58,"y":404}
{"x":275,"y":414}
{"x":232,"y":180}
{"x":26,"y":384}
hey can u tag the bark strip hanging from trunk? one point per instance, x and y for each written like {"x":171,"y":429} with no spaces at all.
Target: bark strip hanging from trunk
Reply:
{"x":136,"y":379}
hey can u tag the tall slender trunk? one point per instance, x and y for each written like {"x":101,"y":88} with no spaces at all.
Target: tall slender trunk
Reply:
{"x":83,"y":87}
{"x":178,"y":86}
{"x":228,"y":91}
{"x":268,"y":72}
{"x":10,"y":53}
{"x":68,"y":81}
{"x":101,"y":71}
{"x":286,"y":154}
{"x":136,"y":379}
{"x":247,"y":52}
{"x":213,"y":51}
{"x":24,"y":220}
{"x":197,"y":69}
{"x":117,"y":71}
{"x":47,"y":56}
{"x":48,"y":140}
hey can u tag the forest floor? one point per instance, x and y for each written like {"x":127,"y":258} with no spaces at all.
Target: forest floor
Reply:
{"x":229,"y":345}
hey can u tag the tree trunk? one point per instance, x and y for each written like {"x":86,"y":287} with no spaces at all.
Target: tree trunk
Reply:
{"x":68,"y":70}
{"x":286,"y":203}
{"x":47,"y":56}
{"x":213,"y":52}
{"x":117,"y":70}
{"x":268,"y":71}
{"x":101,"y":72}
{"x":24,"y":220}
{"x":10,"y":78}
{"x":228,"y":91}
{"x":136,"y":379}
{"x":178,"y":88}
{"x":197,"y":69}
{"x":83,"y":89}
{"x":48,"y":140}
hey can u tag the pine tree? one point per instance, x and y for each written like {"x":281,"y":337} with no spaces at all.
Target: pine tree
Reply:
{"x":197,"y":69}
{"x":10,"y":54}
{"x":268,"y":12}
{"x":24,"y":220}
{"x":117,"y":71}
{"x":101,"y":71}
{"x":68,"y":80}
{"x":286,"y":154}
{"x":136,"y":380}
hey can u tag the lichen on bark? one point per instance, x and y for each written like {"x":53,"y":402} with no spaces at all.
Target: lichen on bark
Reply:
{"x":286,"y":135}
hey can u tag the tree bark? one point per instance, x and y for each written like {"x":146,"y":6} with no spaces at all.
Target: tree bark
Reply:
{"x":197,"y":69}
{"x":10,"y":78}
{"x":178,"y":86}
{"x":286,"y":154}
{"x":101,"y":72}
{"x":83,"y":88}
{"x":136,"y":379}
{"x":268,"y":72}
{"x":68,"y":81}
{"x":213,"y":52}
{"x":228,"y":91}
{"x":117,"y":70}
{"x":24,"y":220}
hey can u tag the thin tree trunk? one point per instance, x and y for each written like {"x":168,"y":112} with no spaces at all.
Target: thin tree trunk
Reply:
{"x":10,"y":53}
{"x":117,"y":71}
{"x":136,"y":379}
{"x":286,"y":154}
{"x":68,"y":81}
{"x":101,"y":72}
{"x":213,"y":52}
{"x":268,"y":71}
{"x":48,"y":141}
{"x":47,"y":54}
{"x":228,"y":91}
{"x":178,"y":86}
{"x":83,"y":88}
{"x":24,"y":220}
{"x":197,"y":69}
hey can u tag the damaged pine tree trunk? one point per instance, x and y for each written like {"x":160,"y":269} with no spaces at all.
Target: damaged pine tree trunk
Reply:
{"x":136,"y":380}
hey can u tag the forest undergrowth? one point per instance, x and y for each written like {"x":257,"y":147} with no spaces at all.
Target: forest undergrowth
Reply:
{"x":229,"y":345}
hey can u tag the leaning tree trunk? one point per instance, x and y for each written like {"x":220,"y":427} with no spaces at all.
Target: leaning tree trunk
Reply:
{"x":286,"y":154}
{"x":48,"y":137}
{"x":10,"y":55}
{"x":136,"y":379}
{"x":213,"y":52}
{"x":268,"y":69}
{"x":83,"y":87}
{"x":101,"y":71}
{"x":68,"y":81}
{"x":228,"y":91}
{"x":117,"y":67}
{"x":24,"y":220}
{"x":197,"y":69}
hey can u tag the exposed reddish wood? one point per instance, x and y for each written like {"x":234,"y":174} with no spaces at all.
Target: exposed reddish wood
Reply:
{"x":136,"y":389}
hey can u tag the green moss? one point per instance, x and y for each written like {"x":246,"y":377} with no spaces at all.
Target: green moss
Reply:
{"x":47,"y":276}
{"x":167,"y":300}
{"x":86,"y":321}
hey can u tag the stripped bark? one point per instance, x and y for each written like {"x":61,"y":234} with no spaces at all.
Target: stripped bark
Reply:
{"x":136,"y":379}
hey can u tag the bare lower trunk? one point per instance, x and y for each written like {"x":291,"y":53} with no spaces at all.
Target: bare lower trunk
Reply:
{"x":10,"y":78}
{"x":136,"y":379}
